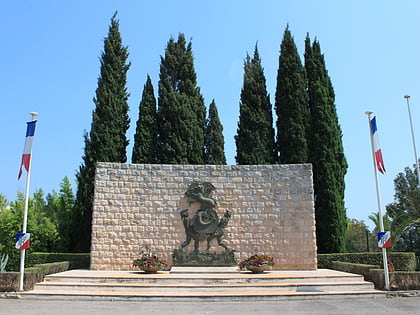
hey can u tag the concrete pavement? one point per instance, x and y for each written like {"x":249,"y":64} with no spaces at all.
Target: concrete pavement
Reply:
{"x":394,"y":306}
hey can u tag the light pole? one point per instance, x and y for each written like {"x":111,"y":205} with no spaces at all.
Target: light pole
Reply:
{"x":407,"y":97}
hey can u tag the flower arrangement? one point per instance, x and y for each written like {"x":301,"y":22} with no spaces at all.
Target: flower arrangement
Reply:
{"x":149,"y":261}
{"x":257,"y":260}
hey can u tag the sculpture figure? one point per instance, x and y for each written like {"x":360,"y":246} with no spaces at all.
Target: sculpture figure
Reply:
{"x":220,"y":231}
{"x":189,"y":231}
{"x":205,"y":223}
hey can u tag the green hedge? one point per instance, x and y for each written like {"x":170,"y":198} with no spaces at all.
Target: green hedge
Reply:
{"x":76,"y":260}
{"x":401,"y":261}
{"x":9,"y":281}
{"x":398,"y":280}
{"x":360,"y":269}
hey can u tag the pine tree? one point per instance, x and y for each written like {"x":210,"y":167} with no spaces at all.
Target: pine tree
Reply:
{"x":255,"y":135}
{"x":291,"y":104}
{"x":181,"y":110}
{"x":326,"y":154}
{"x":145,"y":138}
{"x":107,"y":140}
{"x":214,"y":140}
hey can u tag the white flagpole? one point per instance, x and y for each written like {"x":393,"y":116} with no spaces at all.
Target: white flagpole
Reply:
{"x":381,"y":221}
{"x":407,"y":97}
{"x":25,"y":215}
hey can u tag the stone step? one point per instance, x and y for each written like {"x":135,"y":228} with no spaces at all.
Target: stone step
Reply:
{"x":193,"y":295}
{"x":123,"y":287}
{"x":201,"y":278}
{"x":85,"y":284}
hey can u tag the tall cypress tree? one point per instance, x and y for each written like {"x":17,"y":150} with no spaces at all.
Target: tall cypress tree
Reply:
{"x":214,"y":140}
{"x":255,"y":135}
{"x":145,"y":138}
{"x":291,"y":104}
{"x":181,"y":110}
{"x":107,"y":140}
{"x":326,"y":154}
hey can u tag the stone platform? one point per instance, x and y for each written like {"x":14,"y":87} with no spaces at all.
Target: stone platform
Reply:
{"x":224,"y":283}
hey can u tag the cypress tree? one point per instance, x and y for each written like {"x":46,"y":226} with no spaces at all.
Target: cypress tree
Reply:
{"x":291,"y":104}
{"x":255,"y":135}
{"x":326,"y":154}
{"x":145,"y":138}
{"x":181,"y":110}
{"x":214,"y":140}
{"x":107,"y":140}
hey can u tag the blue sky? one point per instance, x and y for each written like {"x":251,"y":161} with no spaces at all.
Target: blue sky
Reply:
{"x":49,"y":63}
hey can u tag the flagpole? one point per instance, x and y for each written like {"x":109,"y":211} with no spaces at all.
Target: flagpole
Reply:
{"x":407,"y":97}
{"x":378,"y":198}
{"x":25,"y":216}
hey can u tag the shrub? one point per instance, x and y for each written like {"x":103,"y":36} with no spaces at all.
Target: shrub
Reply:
{"x":9,"y":281}
{"x":401,"y":261}
{"x":76,"y":260}
{"x":399,"y":280}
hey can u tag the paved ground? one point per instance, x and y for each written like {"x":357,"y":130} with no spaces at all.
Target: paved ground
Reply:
{"x":394,"y":306}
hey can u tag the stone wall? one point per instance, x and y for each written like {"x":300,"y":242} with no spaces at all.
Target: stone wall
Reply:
{"x":272,"y":211}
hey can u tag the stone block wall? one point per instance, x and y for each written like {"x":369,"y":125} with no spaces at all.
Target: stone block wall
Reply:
{"x":136,"y":204}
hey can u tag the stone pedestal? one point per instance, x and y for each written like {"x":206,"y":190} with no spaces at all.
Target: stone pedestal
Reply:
{"x":182,"y":258}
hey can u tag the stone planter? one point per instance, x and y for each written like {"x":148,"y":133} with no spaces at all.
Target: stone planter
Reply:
{"x":259,"y":269}
{"x":151,"y":269}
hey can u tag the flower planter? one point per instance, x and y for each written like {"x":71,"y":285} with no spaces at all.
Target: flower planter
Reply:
{"x":259,"y":269}
{"x":257,"y":263}
{"x":150,"y":269}
{"x":148,"y":262}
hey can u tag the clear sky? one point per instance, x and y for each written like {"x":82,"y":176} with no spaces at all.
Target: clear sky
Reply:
{"x":49,"y":61}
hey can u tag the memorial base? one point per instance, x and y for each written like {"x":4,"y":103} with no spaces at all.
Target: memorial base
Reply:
{"x":182,"y":258}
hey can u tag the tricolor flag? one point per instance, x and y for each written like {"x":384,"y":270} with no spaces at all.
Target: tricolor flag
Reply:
{"x":23,"y":240}
{"x":27,"y":149}
{"x":376,"y":148}
{"x":384,"y":239}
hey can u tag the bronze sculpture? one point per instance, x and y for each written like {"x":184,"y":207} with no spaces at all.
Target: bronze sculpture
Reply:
{"x":203,"y":226}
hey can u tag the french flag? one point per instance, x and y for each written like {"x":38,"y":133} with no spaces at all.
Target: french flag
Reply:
{"x":27,"y":149}
{"x":23,"y":241}
{"x":384,"y":239}
{"x":376,"y":148}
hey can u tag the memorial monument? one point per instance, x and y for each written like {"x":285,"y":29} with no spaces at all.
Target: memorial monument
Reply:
{"x":203,"y":214}
{"x":203,"y":226}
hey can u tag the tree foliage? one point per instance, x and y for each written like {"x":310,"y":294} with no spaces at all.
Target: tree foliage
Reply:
{"x":59,"y":209}
{"x":358,"y":238}
{"x":375,"y":218}
{"x":48,"y":221}
{"x":255,"y":134}
{"x":213,"y":138}
{"x":405,"y":211}
{"x":145,"y":138}
{"x":44,"y":234}
{"x":325,"y":153}
{"x":10,"y":223}
{"x":291,"y":104}
{"x":107,"y":140}
{"x":181,"y":110}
